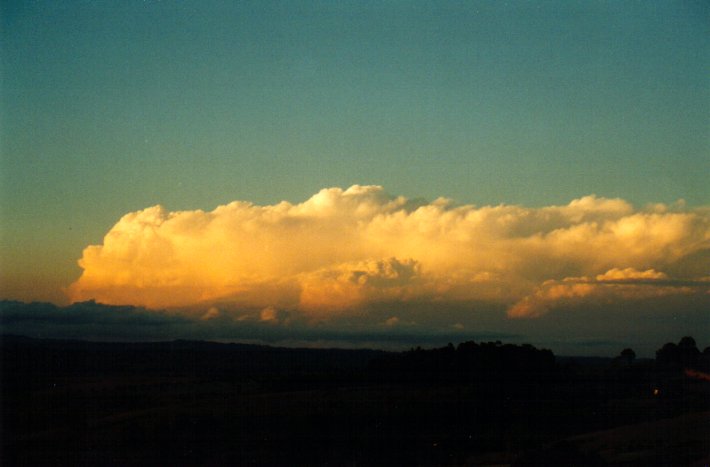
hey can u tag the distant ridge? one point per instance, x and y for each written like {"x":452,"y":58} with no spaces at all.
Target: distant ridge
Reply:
{"x":194,"y":344}
{"x":52,"y":358}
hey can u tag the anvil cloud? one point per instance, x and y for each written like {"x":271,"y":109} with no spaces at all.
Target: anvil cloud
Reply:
{"x":343,"y":250}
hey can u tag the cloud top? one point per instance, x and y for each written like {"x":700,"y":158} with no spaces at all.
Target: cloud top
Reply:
{"x":342,"y":251}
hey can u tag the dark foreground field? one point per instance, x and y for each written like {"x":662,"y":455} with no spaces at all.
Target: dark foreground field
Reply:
{"x":195,"y":403}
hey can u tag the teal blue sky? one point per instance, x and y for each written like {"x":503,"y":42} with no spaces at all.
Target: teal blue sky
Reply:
{"x":110,"y":107}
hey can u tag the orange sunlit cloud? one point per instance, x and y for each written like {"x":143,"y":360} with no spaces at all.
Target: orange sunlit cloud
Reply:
{"x":614,"y":285}
{"x":344,"y":249}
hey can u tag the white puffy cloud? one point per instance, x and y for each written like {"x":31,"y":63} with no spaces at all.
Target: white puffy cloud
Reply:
{"x":343,"y":250}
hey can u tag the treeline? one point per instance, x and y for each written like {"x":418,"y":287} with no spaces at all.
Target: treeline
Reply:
{"x":469,"y":361}
{"x":27,"y":359}
{"x":685,"y":354}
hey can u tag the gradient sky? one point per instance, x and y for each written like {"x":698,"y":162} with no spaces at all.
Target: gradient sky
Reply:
{"x":112,"y":107}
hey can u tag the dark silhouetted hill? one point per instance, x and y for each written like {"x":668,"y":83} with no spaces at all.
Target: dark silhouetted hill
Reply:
{"x":69,"y":402}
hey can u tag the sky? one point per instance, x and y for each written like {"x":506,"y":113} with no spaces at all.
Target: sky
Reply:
{"x":314,"y":170}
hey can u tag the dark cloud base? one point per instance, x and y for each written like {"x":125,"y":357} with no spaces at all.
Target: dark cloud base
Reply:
{"x":98,"y":322}
{"x":581,"y":330}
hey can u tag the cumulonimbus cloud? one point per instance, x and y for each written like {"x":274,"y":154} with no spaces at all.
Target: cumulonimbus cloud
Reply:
{"x":342,"y":250}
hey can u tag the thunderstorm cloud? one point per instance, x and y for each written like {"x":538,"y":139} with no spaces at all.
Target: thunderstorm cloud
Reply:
{"x":343,"y":252}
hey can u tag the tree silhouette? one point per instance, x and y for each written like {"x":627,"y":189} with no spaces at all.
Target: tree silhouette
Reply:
{"x":687,"y":342}
{"x":684,"y":354}
{"x":668,"y":356}
{"x":627,"y":356}
{"x":468,"y":361}
{"x":689,"y":352}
